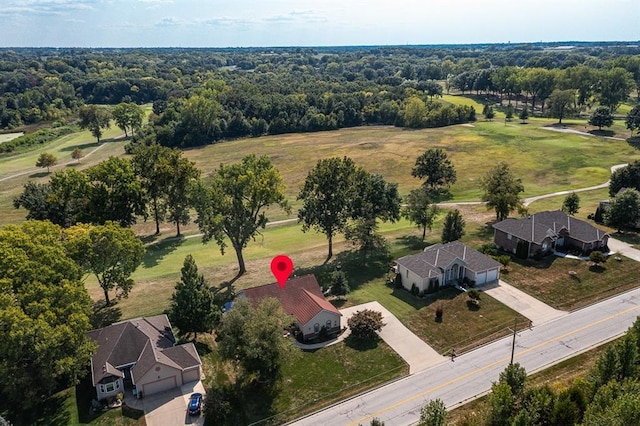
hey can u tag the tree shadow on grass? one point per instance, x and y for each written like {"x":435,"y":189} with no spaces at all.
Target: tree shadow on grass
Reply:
{"x":634,"y":141}
{"x":156,"y":252}
{"x":411,"y":243}
{"x":361,"y":344}
{"x":83,"y":146}
{"x":602,"y":133}
{"x":38,"y":175}
{"x":202,"y":348}
{"x":104,"y":315}
{"x":51,"y":411}
{"x":543,"y":263}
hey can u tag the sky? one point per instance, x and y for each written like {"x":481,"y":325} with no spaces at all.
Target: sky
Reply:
{"x":247,"y":23}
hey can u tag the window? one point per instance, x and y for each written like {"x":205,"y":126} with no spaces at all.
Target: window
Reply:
{"x":509,"y":236}
{"x":316,"y":328}
{"x":110,"y":387}
{"x":102,"y":388}
{"x":328,"y":325}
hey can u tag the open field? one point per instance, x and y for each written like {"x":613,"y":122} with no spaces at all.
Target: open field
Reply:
{"x":550,"y":281}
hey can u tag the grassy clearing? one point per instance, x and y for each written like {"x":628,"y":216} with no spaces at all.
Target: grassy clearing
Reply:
{"x":549,"y":280}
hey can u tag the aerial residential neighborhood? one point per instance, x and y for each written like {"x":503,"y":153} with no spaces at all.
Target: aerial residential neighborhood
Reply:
{"x":319,"y":214}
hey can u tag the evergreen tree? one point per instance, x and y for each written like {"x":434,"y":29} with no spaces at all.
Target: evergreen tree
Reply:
{"x":453,"y":226}
{"x":192,"y":303}
{"x":571,"y":204}
{"x":339,"y":284}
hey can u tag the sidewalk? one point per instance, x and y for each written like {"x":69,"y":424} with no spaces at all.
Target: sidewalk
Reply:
{"x":537,"y":311}
{"x":623,"y":248}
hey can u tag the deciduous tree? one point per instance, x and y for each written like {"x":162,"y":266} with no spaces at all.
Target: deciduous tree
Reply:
{"x":365,"y":324}
{"x":232,"y":205}
{"x":128,"y":116}
{"x":251,"y":336}
{"x":193,"y":308}
{"x":112,"y":253}
{"x":95,"y":118}
{"x":436,"y":169}
{"x":632,"y":121}
{"x":77,"y":154}
{"x":433,"y":414}
{"x":624,"y":210}
{"x":420,"y":211}
{"x":501,"y":190}
{"x":561,"y":103}
{"x":46,"y":159}
{"x":601,"y":117}
{"x":326,"y":196}
{"x":44,"y":317}
{"x":571,"y":204}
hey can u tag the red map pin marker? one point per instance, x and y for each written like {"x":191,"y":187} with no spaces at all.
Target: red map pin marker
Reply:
{"x":281,"y":267}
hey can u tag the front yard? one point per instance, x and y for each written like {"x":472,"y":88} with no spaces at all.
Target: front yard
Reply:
{"x":461,"y":328}
{"x":570,"y":284}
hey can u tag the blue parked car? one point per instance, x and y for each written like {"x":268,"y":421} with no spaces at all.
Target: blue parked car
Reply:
{"x":195,"y":404}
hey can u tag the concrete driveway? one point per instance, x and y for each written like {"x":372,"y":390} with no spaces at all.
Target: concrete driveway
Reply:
{"x":623,"y":248}
{"x":410,"y":347}
{"x":170,"y":407}
{"x":537,"y":311}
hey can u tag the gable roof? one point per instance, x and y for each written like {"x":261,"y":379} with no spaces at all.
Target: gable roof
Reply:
{"x":142,"y":341}
{"x":537,"y":227}
{"x":434,"y":259}
{"x":300,"y":297}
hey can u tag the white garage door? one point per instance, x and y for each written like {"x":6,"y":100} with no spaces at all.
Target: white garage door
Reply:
{"x":191,"y":375}
{"x":159,"y":386}
{"x":481,"y":278}
{"x":492,"y":275}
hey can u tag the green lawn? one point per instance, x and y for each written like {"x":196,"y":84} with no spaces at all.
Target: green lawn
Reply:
{"x":314,"y":380}
{"x":550,"y":281}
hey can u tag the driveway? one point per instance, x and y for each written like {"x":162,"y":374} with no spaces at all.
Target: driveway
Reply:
{"x":537,"y":311}
{"x":170,"y":407}
{"x":410,"y":347}
{"x":623,"y":248}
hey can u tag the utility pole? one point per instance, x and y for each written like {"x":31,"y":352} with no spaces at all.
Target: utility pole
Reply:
{"x":513,"y":343}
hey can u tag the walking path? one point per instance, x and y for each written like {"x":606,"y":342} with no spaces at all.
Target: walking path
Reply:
{"x":532,"y":308}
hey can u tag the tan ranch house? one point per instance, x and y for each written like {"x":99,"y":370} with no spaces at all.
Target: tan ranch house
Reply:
{"x":141,"y":353}
{"x":547,"y":231}
{"x":302,"y":298}
{"x":447,"y":264}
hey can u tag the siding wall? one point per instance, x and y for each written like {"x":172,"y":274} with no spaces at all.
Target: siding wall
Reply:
{"x":321,"y":318}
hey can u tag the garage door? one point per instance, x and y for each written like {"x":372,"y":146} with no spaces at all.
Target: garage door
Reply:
{"x":481,"y":278}
{"x":191,"y":375}
{"x":492,"y":275}
{"x":159,"y":386}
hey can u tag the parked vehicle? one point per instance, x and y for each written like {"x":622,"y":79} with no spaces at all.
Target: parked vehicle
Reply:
{"x":195,"y":404}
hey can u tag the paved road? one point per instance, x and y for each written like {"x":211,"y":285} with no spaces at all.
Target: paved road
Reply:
{"x":537,"y":311}
{"x":410,"y":347}
{"x":472,"y":373}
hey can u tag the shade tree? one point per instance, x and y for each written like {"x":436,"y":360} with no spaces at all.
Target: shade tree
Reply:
{"x":632,"y":120}
{"x":95,"y":119}
{"x":571,"y":204}
{"x":232,"y":205}
{"x":128,"y":116}
{"x":601,"y":117}
{"x":46,"y":159}
{"x":453,"y":227}
{"x":110,"y":252}
{"x":501,"y":190}
{"x":420,"y":210}
{"x":623,"y":210}
{"x":44,"y":318}
{"x":436,"y":169}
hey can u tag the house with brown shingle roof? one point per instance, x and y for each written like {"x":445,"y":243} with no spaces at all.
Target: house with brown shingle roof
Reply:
{"x":141,"y":353}
{"x":302,"y":298}
{"x":547,"y":231}
{"x":446,"y":264}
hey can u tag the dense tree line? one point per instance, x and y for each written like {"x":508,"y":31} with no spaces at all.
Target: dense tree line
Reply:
{"x":203,"y":95}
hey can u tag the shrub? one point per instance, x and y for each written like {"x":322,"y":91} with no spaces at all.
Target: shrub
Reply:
{"x":365,"y":324}
{"x":398,"y":281}
{"x":522,"y":250}
{"x":439,"y":312}
{"x":597,"y":257}
{"x":504,"y":259}
{"x":414,"y":289}
{"x":489,"y":249}
{"x":474,"y":294}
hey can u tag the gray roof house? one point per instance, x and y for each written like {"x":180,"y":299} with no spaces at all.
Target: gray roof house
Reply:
{"x":446,"y":264}
{"x":547,"y":231}
{"x":141,"y":352}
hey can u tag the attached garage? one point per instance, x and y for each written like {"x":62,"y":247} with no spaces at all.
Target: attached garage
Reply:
{"x":492,"y":275}
{"x":191,"y":375}
{"x":159,"y":386}
{"x":481,"y":278}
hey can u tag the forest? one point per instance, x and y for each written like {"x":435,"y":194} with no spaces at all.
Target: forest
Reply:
{"x":202,"y":96}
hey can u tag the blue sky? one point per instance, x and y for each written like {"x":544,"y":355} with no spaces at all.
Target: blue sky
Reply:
{"x":232,"y":23}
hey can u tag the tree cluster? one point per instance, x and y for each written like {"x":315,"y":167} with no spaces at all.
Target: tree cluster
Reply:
{"x":339,"y":196}
{"x":609,"y":394}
